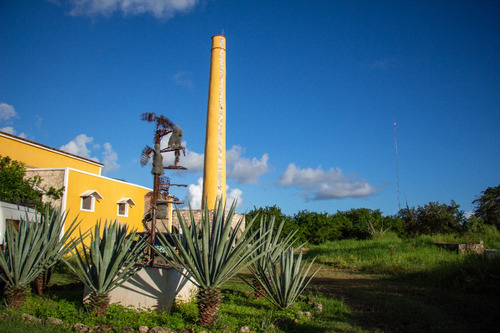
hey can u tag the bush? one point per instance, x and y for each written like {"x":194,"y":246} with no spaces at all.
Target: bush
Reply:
{"x":433,"y":218}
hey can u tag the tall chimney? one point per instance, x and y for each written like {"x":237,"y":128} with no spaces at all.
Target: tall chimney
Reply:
{"x":214,"y":173}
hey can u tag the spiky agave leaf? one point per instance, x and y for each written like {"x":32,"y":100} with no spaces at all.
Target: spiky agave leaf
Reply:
{"x":286,"y":280}
{"x":109,"y":260}
{"x":33,"y":248}
{"x":272,"y":245}
{"x":211,"y":252}
{"x":58,"y":246}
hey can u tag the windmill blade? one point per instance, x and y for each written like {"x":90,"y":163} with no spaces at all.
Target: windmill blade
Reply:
{"x":164,"y":122}
{"x":149,"y":117}
{"x":164,"y":180}
{"x":146,"y":155}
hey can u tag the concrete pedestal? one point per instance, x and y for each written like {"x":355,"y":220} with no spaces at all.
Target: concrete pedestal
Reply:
{"x":155,"y":288}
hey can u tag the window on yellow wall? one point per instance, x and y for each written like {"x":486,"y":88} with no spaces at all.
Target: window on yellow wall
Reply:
{"x":122,"y":209}
{"x":88,"y":200}
{"x":88,"y":203}
{"x":123,"y":206}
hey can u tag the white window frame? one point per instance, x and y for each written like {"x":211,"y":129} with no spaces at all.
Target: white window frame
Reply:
{"x":93,"y":194}
{"x":124,"y":201}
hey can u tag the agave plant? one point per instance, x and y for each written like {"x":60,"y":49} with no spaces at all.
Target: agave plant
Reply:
{"x":286,"y":280}
{"x":110,"y":259}
{"x":33,"y":248}
{"x":269,"y":246}
{"x":211,"y":253}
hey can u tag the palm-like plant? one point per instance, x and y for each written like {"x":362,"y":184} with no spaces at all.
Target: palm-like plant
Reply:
{"x":269,"y":246}
{"x":110,"y":259}
{"x":211,"y":253}
{"x":36,"y":246}
{"x":286,"y":280}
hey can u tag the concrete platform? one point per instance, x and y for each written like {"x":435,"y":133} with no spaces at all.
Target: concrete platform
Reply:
{"x":155,"y":288}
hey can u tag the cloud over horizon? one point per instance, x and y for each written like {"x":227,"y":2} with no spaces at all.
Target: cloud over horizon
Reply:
{"x":195,"y":192}
{"x":318,"y":184}
{"x":110,"y":158}
{"x":78,"y":146}
{"x":7,"y":115}
{"x":161,"y":9}
{"x":7,"y":112}
{"x":241,"y":169}
{"x":244,"y":170}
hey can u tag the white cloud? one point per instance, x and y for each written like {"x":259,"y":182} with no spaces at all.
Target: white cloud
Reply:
{"x":163,"y":9}
{"x":78,"y":146}
{"x":8,"y":130}
{"x":195,"y":192}
{"x":7,"y":112}
{"x":241,"y":169}
{"x":244,"y":170}
{"x":234,"y":194}
{"x":7,"y":115}
{"x":110,"y":158}
{"x":192,"y":161}
{"x":318,"y":184}
{"x":183,"y":79}
{"x":11,"y":130}
{"x":193,"y":197}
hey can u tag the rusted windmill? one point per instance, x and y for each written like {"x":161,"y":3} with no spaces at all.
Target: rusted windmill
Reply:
{"x":162,"y":183}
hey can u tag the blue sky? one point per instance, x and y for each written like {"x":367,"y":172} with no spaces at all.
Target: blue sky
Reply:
{"x":312,"y":91}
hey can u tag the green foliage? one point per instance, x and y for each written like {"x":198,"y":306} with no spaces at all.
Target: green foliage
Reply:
{"x":109,"y":260}
{"x":16,"y":324}
{"x":433,"y":218}
{"x":364,"y":223}
{"x":269,"y":245}
{"x":15,"y":188}
{"x":488,"y":206}
{"x":238,"y":309}
{"x":451,"y":293}
{"x":318,"y":227}
{"x":413,"y":258}
{"x":286,"y":280}
{"x":45,"y":307}
{"x":211,"y":252}
{"x":35,"y":247}
{"x":289,"y":224}
{"x":390,"y":255}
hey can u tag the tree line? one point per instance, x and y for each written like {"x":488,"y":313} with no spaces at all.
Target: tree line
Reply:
{"x":312,"y":227}
{"x":363,"y":223}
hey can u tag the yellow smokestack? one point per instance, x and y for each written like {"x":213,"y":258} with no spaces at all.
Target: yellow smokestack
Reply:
{"x":214,"y":173}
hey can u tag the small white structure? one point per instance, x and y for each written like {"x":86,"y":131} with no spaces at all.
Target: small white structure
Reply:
{"x":13,"y":213}
{"x":156,"y":288}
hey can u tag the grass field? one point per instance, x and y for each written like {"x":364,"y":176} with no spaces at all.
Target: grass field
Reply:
{"x":385,"y":285}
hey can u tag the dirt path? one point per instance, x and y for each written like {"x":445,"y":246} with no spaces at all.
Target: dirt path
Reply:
{"x":386,"y":304}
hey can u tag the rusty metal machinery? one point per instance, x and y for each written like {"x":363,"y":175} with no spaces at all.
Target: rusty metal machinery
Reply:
{"x":161,"y":184}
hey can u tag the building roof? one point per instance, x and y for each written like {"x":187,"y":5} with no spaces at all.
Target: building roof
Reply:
{"x":58,"y":151}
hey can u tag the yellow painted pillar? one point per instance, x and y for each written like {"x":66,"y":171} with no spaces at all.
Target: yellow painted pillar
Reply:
{"x":169,"y":223}
{"x":214,"y":173}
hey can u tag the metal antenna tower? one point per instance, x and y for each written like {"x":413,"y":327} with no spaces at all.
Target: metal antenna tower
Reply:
{"x":397,"y":163}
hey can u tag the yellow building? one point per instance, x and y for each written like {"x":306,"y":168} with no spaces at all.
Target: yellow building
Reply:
{"x":88,"y":196}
